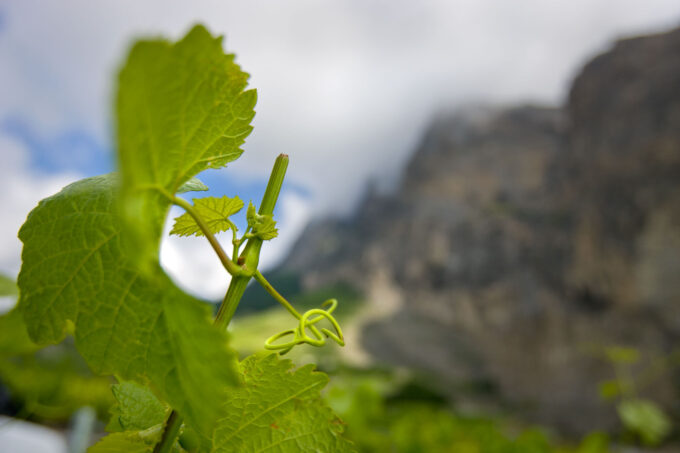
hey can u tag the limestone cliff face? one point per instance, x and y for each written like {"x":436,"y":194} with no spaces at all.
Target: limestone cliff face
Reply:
{"x":524,"y":240}
{"x":624,"y":112}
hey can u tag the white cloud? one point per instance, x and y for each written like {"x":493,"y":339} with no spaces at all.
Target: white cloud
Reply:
{"x":345,"y":88}
{"x":192,"y":264}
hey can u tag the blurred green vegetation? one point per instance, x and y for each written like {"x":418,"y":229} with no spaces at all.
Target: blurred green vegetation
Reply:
{"x":643,"y":419}
{"x":46,"y":384}
{"x":386,"y":415}
{"x":52,"y":383}
{"x":384,"y":410}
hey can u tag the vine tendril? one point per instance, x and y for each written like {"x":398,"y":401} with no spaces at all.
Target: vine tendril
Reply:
{"x":306,"y":323}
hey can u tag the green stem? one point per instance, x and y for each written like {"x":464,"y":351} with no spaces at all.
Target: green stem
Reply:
{"x":231,"y":300}
{"x":241,"y":275}
{"x":170,"y":433}
{"x":275,"y":294}
{"x":271,"y":193}
{"x":250,"y":257}
{"x":234,"y":239}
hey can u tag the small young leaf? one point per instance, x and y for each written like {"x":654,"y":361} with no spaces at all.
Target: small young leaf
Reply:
{"x":279,"y":410}
{"x":265,"y":228}
{"x":193,"y":185}
{"x":137,"y":408}
{"x":215,"y":212}
{"x":262,"y":226}
{"x":251,"y":214}
{"x":181,"y":109}
{"x":137,"y":326}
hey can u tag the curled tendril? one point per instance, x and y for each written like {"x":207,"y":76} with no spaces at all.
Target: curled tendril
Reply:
{"x":306,"y":323}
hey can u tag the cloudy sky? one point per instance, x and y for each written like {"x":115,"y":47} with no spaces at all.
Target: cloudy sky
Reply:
{"x":345,"y":88}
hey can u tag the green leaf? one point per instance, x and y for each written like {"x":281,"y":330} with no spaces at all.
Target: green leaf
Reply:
{"x":262,"y":226}
{"x":214,"y":211}
{"x":131,"y":442}
{"x":181,"y":109}
{"x":137,"y":408}
{"x":646,"y":419}
{"x":137,"y":326}
{"x":279,"y":410}
{"x":193,"y":185}
{"x":7,"y":286}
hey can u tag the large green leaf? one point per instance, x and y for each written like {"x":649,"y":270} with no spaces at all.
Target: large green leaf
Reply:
{"x":181,"y":109}
{"x":279,"y":410}
{"x":134,"y":325}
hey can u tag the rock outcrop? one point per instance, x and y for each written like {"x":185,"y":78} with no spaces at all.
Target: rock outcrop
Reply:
{"x":524,"y":241}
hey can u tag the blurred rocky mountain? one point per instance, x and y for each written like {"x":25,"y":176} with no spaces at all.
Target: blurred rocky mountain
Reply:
{"x":523,"y":241}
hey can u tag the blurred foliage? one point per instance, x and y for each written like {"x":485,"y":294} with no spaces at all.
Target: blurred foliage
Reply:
{"x":385,"y":411}
{"x":646,"y":419}
{"x":383,"y":415}
{"x":641,"y":418}
{"x":620,"y":355}
{"x":45,"y":384}
{"x":53,"y":383}
{"x":14,"y":339}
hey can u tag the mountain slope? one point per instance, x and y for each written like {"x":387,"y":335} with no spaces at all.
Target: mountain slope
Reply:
{"x":524,"y":241}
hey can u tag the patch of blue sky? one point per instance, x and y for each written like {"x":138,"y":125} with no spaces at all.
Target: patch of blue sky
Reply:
{"x":68,"y":150}
{"x":77,"y":150}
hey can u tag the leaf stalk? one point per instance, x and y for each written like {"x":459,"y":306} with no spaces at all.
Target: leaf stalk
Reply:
{"x":228,"y":264}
